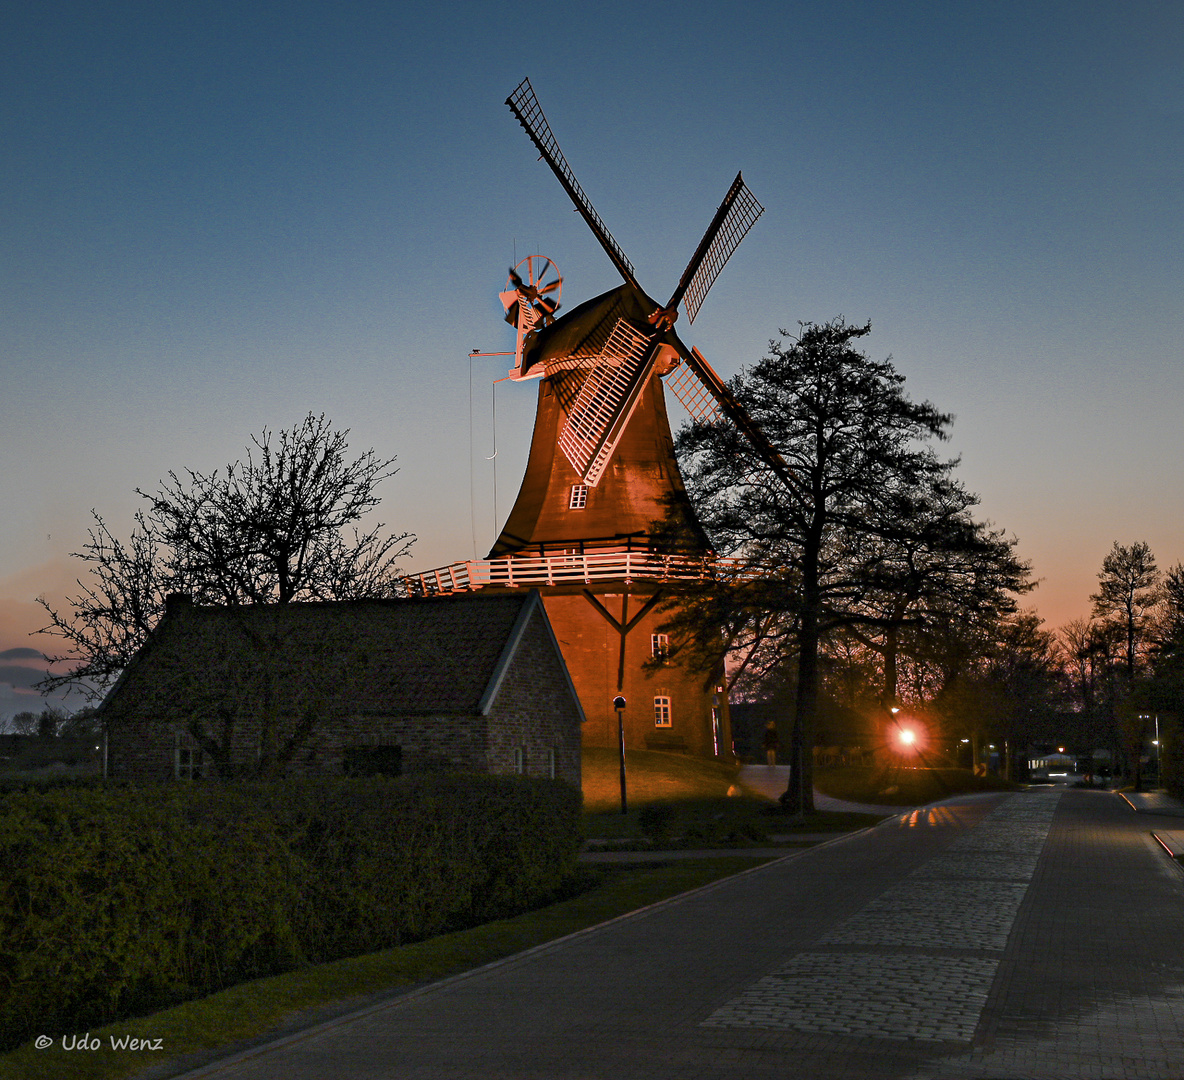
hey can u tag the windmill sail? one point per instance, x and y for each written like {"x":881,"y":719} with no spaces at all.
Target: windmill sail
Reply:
{"x":611,"y":384}
{"x":735,"y":216}
{"x":700,"y":383}
{"x":525,"y":106}
{"x":598,"y":381}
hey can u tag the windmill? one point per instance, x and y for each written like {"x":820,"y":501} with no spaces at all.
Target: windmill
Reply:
{"x":601,"y":472}
{"x":604,"y":358}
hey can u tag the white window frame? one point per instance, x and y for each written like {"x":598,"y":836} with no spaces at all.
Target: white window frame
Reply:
{"x":660,"y":646}
{"x":187,"y":756}
{"x":551,"y":763}
{"x":662,"y":711}
{"x":519,"y":760}
{"x":578,"y":499}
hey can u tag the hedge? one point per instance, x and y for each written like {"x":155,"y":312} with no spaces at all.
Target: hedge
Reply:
{"x":115,"y":903}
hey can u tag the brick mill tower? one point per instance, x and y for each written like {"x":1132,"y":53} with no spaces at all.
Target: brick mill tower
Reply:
{"x":602,"y":525}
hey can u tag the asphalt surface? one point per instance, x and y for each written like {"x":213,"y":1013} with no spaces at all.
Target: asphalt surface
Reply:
{"x":1038,"y":935}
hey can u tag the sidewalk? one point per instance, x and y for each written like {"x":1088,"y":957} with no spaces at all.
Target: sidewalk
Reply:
{"x":771,"y":781}
{"x":1029,"y":936}
{"x":1153,"y":802}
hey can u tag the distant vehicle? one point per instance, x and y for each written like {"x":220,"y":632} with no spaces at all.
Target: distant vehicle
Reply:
{"x":1053,"y":769}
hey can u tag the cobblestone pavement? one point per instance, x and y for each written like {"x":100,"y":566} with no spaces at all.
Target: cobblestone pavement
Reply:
{"x":959,"y":917}
{"x":1036,"y":936}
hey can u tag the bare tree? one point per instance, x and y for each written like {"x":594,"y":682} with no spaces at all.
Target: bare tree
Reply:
{"x":1084,"y":647}
{"x":1169,"y":615}
{"x":277,"y":528}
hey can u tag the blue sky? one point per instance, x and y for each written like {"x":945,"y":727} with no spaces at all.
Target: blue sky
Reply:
{"x":218,"y":217}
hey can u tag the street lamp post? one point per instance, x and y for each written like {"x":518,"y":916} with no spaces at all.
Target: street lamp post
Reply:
{"x":1158,"y":750}
{"x":619,"y":705}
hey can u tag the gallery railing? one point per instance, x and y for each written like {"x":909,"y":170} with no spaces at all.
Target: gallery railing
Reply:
{"x":573,"y":567}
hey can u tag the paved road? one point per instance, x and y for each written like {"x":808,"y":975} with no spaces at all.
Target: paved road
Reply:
{"x":1037,"y":935}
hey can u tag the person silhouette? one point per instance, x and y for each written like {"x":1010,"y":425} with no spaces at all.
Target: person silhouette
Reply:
{"x":771,"y":742}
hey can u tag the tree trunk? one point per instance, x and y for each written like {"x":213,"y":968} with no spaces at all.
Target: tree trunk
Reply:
{"x":888,"y":696}
{"x":799,"y":795}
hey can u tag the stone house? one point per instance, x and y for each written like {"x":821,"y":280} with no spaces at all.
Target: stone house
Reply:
{"x":358,"y":687}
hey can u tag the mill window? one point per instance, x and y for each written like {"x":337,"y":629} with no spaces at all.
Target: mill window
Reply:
{"x":660,"y":646}
{"x":579,"y":497}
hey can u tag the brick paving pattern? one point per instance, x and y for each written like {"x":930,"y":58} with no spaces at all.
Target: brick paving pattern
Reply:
{"x":942,"y":906}
{"x":890,"y":997}
{"x":1060,"y":957}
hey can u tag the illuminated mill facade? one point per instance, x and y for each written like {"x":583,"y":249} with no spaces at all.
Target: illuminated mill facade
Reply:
{"x":602,"y":480}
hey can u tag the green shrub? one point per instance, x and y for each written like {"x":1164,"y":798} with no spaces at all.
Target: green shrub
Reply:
{"x":118,"y":902}
{"x":655,"y":821}
{"x":108,"y":900}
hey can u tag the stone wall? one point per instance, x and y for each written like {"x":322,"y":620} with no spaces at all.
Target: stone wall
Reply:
{"x":533,"y":712}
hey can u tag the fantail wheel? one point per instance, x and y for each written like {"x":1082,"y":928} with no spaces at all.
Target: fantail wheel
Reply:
{"x":537,"y":282}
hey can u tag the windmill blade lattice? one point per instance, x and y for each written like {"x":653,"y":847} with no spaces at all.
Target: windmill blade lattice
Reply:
{"x":735,"y":216}
{"x":696,"y":398}
{"x":612,"y":385}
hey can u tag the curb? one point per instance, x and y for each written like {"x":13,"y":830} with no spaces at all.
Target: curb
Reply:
{"x":1173,"y":849}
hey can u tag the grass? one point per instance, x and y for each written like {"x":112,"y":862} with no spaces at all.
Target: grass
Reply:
{"x":677,"y":801}
{"x":902,"y":786}
{"x":204,"y":1029}
{"x":652,"y":776}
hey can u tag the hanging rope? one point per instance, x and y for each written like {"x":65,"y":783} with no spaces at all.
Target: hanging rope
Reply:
{"x":493,"y":458}
{"x":472,"y":488}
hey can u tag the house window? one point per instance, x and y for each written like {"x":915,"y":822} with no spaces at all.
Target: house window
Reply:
{"x":579,"y":497}
{"x":186,"y":757}
{"x":660,"y":646}
{"x":551,"y":763}
{"x":662,"y":711}
{"x":519,"y":760}
{"x":715,"y":730}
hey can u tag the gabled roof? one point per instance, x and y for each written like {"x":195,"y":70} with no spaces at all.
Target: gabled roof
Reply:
{"x":444,"y":655}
